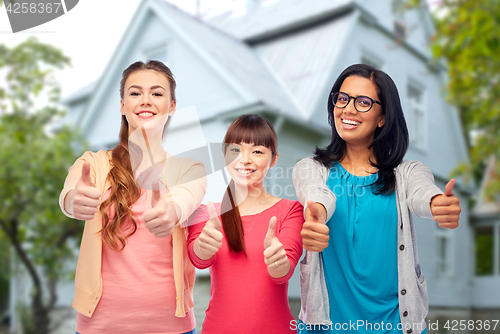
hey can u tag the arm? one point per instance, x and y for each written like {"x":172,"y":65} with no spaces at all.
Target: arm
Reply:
{"x":196,"y":223}
{"x":188,"y":191}
{"x":426,"y":200}
{"x":286,"y":247}
{"x":420,"y":188}
{"x":79,"y":198}
{"x":310,"y":184}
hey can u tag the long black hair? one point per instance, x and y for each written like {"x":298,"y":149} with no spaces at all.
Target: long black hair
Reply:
{"x":391,"y":140}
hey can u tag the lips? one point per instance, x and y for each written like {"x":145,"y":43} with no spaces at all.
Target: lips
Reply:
{"x":349,"y":123}
{"x":145,"y":114}
{"x":245,"y":171}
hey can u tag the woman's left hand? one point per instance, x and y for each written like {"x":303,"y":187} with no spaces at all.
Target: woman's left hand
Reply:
{"x":161,"y":219}
{"x":445,"y":208}
{"x":274,"y":253}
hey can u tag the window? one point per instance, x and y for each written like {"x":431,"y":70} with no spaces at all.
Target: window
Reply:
{"x":398,"y":11}
{"x":158,"y":53}
{"x":417,"y":118}
{"x":484,"y":249}
{"x":444,"y":253}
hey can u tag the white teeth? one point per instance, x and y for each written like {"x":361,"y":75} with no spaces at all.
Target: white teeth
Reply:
{"x":347,"y":121}
{"x":146,"y":114}
{"x":243,"y":171}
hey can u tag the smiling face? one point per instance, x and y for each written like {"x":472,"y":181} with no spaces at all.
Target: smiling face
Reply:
{"x":354,"y":127}
{"x":248,"y":163}
{"x":146,"y":96}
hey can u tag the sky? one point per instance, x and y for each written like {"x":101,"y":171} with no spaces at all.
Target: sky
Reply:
{"x":91,"y":31}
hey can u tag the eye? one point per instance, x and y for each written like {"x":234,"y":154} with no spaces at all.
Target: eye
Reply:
{"x":364,"y":101}
{"x":235,"y":149}
{"x":134,"y":94}
{"x":157,"y":94}
{"x":258,"y":152}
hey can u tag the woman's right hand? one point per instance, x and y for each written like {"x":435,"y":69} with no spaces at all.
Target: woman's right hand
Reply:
{"x":210,"y":239}
{"x":314,"y":231}
{"x":83,"y":201}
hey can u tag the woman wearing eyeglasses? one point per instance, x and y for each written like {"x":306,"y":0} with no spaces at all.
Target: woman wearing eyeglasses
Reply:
{"x":361,"y":270}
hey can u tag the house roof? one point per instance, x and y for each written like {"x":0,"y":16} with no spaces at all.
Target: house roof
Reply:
{"x":238,"y":59}
{"x":265,"y":21}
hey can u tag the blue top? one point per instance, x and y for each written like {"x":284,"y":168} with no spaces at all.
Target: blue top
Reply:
{"x":361,"y":258}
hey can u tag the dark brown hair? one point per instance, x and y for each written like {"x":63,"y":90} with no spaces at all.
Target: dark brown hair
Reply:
{"x":124,"y":191}
{"x":250,"y":129}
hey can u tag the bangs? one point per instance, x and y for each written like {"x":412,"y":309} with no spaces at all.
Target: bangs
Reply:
{"x":252,"y":129}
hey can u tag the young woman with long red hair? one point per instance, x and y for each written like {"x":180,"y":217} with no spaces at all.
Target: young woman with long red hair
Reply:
{"x":133,"y":275}
{"x":251,"y":241}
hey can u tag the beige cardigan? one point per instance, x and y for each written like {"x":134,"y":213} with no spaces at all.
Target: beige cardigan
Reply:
{"x":186,"y":181}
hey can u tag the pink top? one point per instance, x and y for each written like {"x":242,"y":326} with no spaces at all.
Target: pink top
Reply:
{"x":138,"y":293}
{"x":244,"y":298}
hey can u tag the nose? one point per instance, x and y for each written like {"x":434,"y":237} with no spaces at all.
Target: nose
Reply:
{"x":349,"y":108}
{"x":246,"y":157}
{"x":146,"y":100}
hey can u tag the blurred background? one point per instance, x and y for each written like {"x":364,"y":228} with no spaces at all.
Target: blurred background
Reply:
{"x":279,"y":58}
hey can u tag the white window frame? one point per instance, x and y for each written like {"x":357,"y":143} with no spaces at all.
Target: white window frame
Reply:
{"x":444,"y":265}
{"x":418,"y":118}
{"x":496,"y":247}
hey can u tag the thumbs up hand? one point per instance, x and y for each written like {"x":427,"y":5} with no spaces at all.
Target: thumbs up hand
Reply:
{"x":274,"y":253}
{"x":162,"y":217}
{"x":84,"y":200}
{"x":445,"y":208}
{"x":210,"y":238}
{"x":314,"y":231}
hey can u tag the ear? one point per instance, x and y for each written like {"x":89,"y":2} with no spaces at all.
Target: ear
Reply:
{"x":381,"y":122}
{"x":275,"y":160}
{"x":122,"y":107}
{"x":171,"y":110}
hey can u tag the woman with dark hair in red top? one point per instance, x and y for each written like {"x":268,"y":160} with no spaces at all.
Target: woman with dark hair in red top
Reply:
{"x":251,"y":241}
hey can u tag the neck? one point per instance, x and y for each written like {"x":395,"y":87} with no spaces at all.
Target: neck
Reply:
{"x":357,"y":159}
{"x":251,"y":196}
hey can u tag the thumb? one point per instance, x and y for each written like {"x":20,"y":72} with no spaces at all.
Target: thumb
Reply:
{"x":270,"y":233}
{"x":86,"y":174}
{"x":313,"y":209}
{"x":449,"y":188}
{"x":214,"y":217}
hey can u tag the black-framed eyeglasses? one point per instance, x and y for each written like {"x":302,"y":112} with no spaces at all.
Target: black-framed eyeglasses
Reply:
{"x":361,"y":103}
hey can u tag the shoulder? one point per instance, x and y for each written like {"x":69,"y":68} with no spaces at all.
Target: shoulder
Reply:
{"x":407,"y":167}
{"x":287,"y":206}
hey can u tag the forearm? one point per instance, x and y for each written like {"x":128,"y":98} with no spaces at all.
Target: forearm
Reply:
{"x":68,"y":202}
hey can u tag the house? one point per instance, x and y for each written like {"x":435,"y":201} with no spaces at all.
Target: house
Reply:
{"x":280,"y":60}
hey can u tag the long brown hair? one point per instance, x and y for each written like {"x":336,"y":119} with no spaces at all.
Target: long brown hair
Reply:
{"x":124,"y":190}
{"x":250,"y":129}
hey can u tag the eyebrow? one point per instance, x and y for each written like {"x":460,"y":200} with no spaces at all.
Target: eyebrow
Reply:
{"x":152,"y":87}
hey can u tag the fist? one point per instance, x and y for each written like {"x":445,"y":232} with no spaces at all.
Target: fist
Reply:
{"x":210,"y":238}
{"x":314,"y":231}
{"x":274,"y":254}
{"x":445,"y":208}
{"x":85,"y":198}
{"x":161,"y":218}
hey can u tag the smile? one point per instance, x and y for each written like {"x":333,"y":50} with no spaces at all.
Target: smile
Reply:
{"x":349,"y":123}
{"x":145,"y":114}
{"x":245,"y":172}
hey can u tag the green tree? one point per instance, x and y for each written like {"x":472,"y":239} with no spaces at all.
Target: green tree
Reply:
{"x":467,"y":37}
{"x":35,"y":156}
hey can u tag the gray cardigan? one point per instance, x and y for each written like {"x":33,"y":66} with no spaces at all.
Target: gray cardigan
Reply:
{"x":415,"y":188}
